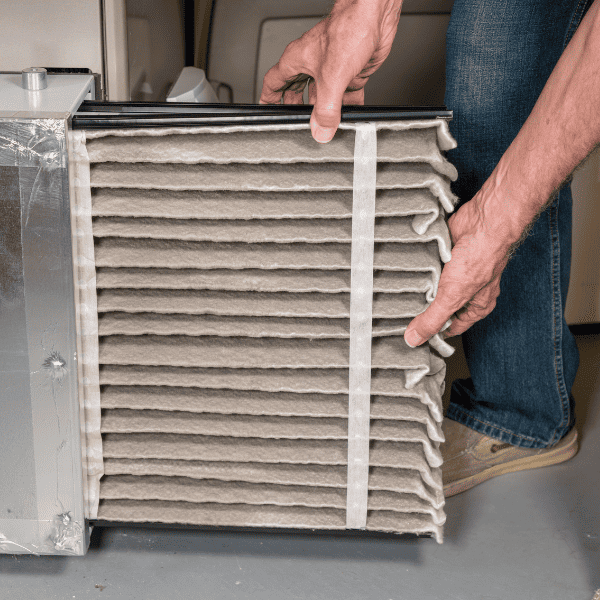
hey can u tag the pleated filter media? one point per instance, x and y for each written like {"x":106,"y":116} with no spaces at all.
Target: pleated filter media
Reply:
{"x":243,"y":294}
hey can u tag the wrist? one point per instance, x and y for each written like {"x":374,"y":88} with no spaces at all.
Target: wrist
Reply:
{"x":505,"y":212}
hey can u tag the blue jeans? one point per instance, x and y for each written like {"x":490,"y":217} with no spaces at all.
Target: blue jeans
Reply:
{"x":522,"y":357}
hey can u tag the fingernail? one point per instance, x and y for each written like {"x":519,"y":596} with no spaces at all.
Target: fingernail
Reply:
{"x":323,"y":134}
{"x":412,"y":338}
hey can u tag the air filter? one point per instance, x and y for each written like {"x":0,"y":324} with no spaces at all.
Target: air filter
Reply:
{"x":243,"y":297}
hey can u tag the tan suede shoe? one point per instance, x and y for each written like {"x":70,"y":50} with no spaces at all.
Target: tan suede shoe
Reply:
{"x":471,"y":458}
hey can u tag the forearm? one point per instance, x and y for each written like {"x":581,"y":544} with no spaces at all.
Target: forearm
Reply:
{"x":560,"y":132}
{"x":379,"y":7}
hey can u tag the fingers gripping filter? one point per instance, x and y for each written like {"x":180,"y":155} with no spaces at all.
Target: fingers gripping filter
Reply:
{"x":361,"y":305}
{"x":252,"y":288}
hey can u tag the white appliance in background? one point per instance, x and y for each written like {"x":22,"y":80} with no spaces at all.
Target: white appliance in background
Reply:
{"x":192,"y":86}
{"x":413,"y":74}
{"x":155,"y":38}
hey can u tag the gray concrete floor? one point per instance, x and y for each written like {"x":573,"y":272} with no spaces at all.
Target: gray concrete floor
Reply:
{"x":531,"y":535}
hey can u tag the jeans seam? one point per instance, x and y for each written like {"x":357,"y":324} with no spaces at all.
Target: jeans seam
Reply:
{"x":576,"y":18}
{"x":557,"y":317}
{"x":517,"y":435}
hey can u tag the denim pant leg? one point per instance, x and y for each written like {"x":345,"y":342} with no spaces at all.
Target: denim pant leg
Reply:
{"x":522,"y":357}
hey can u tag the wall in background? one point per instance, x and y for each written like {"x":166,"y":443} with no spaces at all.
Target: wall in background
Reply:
{"x":203,"y":10}
{"x":583,"y":301}
{"x":40,"y":33}
{"x":156,"y":51}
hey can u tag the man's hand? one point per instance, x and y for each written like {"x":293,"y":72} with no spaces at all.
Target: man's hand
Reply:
{"x":337,"y":57}
{"x":470,"y":281}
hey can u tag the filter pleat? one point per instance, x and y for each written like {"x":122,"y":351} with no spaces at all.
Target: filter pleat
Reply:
{"x":384,"y":382}
{"x":233,"y":515}
{"x":257,"y":280}
{"x":268,"y":427}
{"x":188,"y":351}
{"x":260,"y":147}
{"x":280,"y":231}
{"x":244,"y":402}
{"x":255,"y":304}
{"x":267,"y":178}
{"x":186,"y":489}
{"x":116,"y":252}
{"x":403,"y":455}
{"x":404,"y":481}
{"x":418,"y":203}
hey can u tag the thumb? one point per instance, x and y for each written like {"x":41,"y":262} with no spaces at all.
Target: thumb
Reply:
{"x":327,"y":112}
{"x":427,"y":324}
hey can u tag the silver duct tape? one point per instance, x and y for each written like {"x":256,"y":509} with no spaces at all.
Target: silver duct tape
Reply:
{"x":40,"y":416}
{"x":361,"y":306}
{"x":28,"y":142}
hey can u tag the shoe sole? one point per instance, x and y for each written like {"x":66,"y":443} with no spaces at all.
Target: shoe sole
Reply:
{"x":563,"y":451}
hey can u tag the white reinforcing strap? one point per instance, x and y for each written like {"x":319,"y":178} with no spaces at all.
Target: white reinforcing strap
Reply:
{"x":361,"y":311}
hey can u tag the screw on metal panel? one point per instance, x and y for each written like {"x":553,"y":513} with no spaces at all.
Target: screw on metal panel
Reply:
{"x":55,"y":366}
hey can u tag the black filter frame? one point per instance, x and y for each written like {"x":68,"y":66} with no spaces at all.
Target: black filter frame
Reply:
{"x":306,"y":532}
{"x":121,"y":115}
